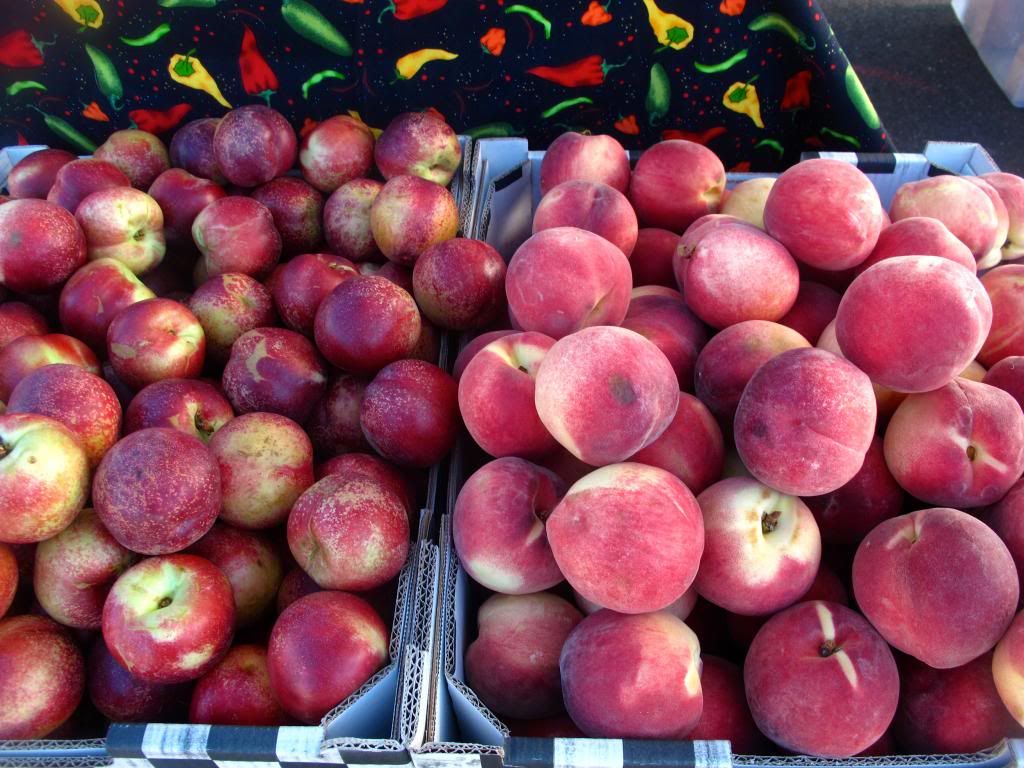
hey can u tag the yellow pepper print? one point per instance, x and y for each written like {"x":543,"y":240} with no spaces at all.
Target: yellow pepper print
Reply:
{"x":190,"y":72}
{"x":411,"y":63}
{"x":742,"y":98}
{"x":672,"y":31}
{"x":88,"y":13}
{"x":356,"y":116}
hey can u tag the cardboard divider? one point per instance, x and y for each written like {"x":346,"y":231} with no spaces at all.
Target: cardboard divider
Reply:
{"x":460,"y":730}
{"x":373,"y":726}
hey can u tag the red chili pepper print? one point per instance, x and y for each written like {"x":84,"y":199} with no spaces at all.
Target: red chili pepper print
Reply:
{"x":798,"y":91}
{"x":590,"y":70}
{"x":94,"y":112}
{"x":699,"y":137}
{"x":732,"y":7}
{"x":19,"y":50}
{"x":493,"y":41}
{"x":159,"y":121}
{"x":257,"y":76}
{"x":308,"y":126}
{"x":595,"y":15}
{"x":741,"y":167}
{"x":628,"y":125}
{"x":412,"y":9}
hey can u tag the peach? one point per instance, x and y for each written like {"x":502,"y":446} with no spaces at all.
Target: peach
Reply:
{"x":747,"y":200}
{"x":691,"y":448}
{"x":661,"y":316}
{"x":418,"y":143}
{"x":410,"y":413}
{"x":821,"y":681}
{"x":33,"y":175}
{"x":376,"y":469}
{"x":140,"y":155}
{"x":192,"y":406}
{"x":471,"y":349}
{"x":604,"y":393}
{"x":409,"y":215}
{"x":886,"y":399}
{"x":912,"y":323}
{"x":805,"y":422}
{"x":347,"y":219}
{"x":192,"y":149}
{"x":334,"y":424}
{"x":995,"y":253}
{"x":938,"y":584}
{"x":349,"y":533}
{"x":628,"y":537}
{"x":1005,"y":287}
{"x":974,"y":371}
{"x":29,"y":353}
{"x":731,"y":358}
{"x":681,"y":608}
{"x":297,"y":209}
{"x":338,"y":150}
{"x":124,"y":224}
{"x":155,"y":339}
{"x":815,"y":307}
{"x":498,"y":526}
{"x":726,"y":715}
{"x":41,"y":246}
{"x":961,"y":445}
{"x":18,"y":319}
{"x":181,"y":197}
{"x":592,"y":206}
{"x":92,"y":297}
{"x":848,"y":514}
{"x":558,"y":727}
{"x":237,"y":691}
{"x":254,"y":144}
{"x":295,"y":584}
{"x":235,"y":234}
{"x":564,"y":279}
{"x":651,"y":260}
{"x":1008,"y":375}
{"x":497,"y":396}
{"x":513,"y":663}
{"x":826,"y":212}
{"x":228,"y":305}
{"x":460,"y":283}
{"x":951,"y":711}
{"x":965,"y":209}
{"x":303,"y":283}
{"x":632,"y":676}
{"x":266,"y":462}
{"x":122,"y":698}
{"x":1011,"y":190}
{"x":576,"y":156}
{"x":1007,"y":519}
{"x":9,"y":578}
{"x":919,"y":236}
{"x":676,"y":182}
{"x":80,"y":178}
{"x":761,"y":547}
{"x":735,"y":272}
{"x":1007,"y":666}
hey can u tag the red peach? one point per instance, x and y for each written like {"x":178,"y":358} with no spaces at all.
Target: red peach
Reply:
{"x":805,"y":422}
{"x":123,"y":698}
{"x":815,"y":307}
{"x":80,"y":178}
{"x":349,"y":532}
{"x":726,"y":714}
{"x":1007,"y":519}
{"x":460,"y":283}
{"x":191,"y":406}
{"x":303,"y":283}
{"x":334,"y":424}
{"x":995,"y":253}
{"x":604,"y":393}
{"x":377,"y":470}
{"x":266,"y":462}
{"x":825,"y":212}
{"x":651,"y":260}
{"x":951,"y":711}
{"x":338,"y":150}
{"x":399,"y":275}
{"x":747,"y":200}
{"x":274,"y":370}
{"x":124,"y":224}
{"x":1006,"y":668}
{"x":33,"y":175}
{"x":661,"y":316}
{"x":1011,"y":190}
{"x":410,"y":413}
{"x":632,"y":676}
{"x":409,"y":215}
{"x":228,"y":305}
{"x":919,"y":236}
{"x":734,"y":273}
{"x":18,"y":319}
{"x":297,"y":209}
{"x":347,"y":219}
{"x":182,"y":197}
{"x":296,"y":584}
{"x":254,"y":144}
{"x":94,"y":295}
{"x":237,"y":691}
{"x":731,"y":358}
{"x":887,"y":400}
{"x":155,"y":339}
{"x":8,"y":577}
{"x":587,"y":157}
{"x":691,"y":448}
{"x":235,"y":234}
{"x":620,"y":561}
{"x":938,"y":584}
{"x":816,"y":658}
{"x":1005,"y":288}
{"x":322,"y":648}
{"x":418,"y":143}
{"x":676,"y":182}
{"x":513,"y":663}
{"x":848,"y":514}
{"x":476,"y":344}
{"x":960,"y":445}
{"x":157,"y":491}
{"x":564,"y":279}
{"x":497,"y":396}
{"x":140,"y":155}
{"x":681,"y":608}
{"x":366,"y":323}
{"x":1008,"y":375}
{"x":592,"y":206}
{"x":30,"y":353}
{"x":498,"y":526}
{"x":81,"y":401}
{"x":41,"y":246}
{"x":192,"y":149}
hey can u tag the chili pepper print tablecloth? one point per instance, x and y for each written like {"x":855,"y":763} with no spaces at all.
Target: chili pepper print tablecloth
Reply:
{"x":758,"y":81}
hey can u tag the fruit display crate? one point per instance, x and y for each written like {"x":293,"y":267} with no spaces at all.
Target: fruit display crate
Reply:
{"x":460,"y":729}
{"x":373,"y":726}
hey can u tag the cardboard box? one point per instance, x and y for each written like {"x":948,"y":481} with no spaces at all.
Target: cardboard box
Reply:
{"x":460,"y":729}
